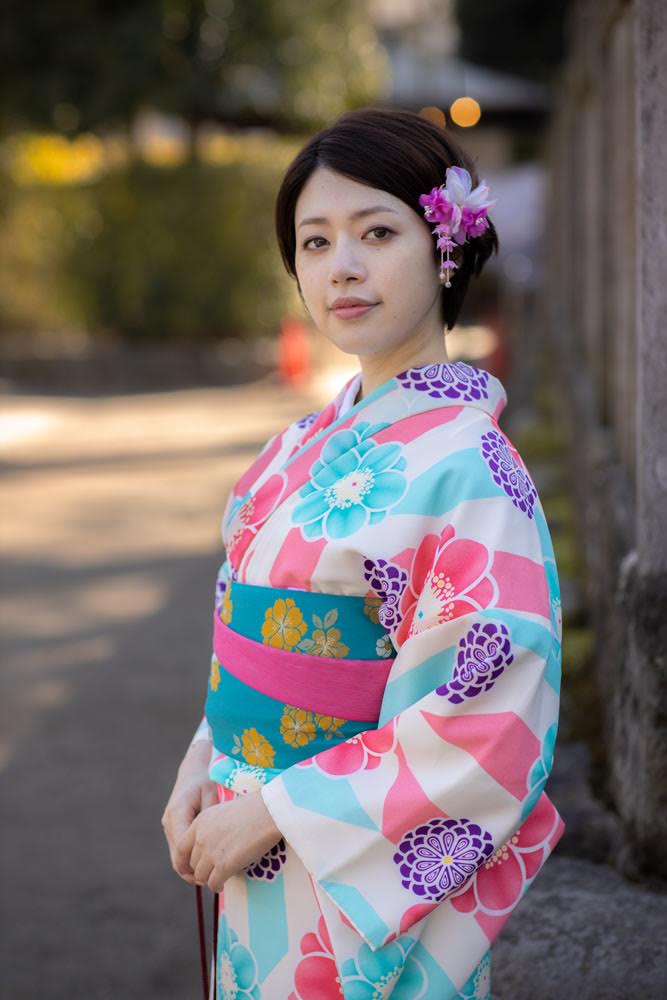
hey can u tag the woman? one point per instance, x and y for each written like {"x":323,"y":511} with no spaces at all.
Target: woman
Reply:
{"x":383,"y":697}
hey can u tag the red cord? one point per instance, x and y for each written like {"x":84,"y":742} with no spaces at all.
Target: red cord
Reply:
{"x":215,"y":938}
{"x":202,"y":943}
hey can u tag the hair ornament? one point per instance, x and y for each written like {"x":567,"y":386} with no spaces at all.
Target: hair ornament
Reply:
{"x":459,"y":211}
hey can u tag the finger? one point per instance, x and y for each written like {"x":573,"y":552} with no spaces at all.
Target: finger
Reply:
{"x":209,"y":796}
{"x":180,"y":821}
{"x":195,"y":857}
{"x":184,"y":871}
{"x":216,"y":880}
{"x":183,"y":848}
{"x":203,"y":871}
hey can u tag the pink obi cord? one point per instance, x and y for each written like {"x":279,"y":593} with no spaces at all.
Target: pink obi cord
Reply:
{"x":347,"y":689}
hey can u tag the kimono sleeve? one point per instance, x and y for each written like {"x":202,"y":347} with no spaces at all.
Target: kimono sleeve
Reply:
{"x":418,"y":813}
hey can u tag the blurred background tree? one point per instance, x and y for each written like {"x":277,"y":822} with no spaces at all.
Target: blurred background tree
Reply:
{"x":142,"y":143}
{"x":162,"y":231}
{"x":285,"y":64}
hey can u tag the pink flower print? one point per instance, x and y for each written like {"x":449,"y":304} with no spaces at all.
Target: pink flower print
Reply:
{"x":422,"y":560}
{"x":449,"y":578}
{"x":316,"y":976}
{"x":501,"y":881}
{"x":249,"y":513}
{"x":362,"y":752}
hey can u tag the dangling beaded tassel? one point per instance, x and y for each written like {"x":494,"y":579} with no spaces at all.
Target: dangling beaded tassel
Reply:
{"x":445,"y":243}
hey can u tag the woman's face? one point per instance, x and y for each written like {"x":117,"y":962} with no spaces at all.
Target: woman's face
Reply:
{"x":384,"y":256}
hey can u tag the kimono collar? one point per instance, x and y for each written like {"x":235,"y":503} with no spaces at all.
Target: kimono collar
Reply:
{"x":454,"y":383}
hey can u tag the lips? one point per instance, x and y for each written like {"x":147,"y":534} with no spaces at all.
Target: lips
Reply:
{"x":349,"y":312}
{"x":344,"y":303}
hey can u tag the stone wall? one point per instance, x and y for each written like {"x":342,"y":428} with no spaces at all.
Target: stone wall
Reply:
{"x":606,"y":309}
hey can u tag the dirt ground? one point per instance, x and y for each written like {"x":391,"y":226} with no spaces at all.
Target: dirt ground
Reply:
{"x":111,"y":515}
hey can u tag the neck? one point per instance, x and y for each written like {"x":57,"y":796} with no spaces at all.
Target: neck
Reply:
{"x":376,"y":369}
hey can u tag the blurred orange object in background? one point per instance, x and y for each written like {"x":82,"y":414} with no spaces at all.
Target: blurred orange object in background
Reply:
{"x":294,"y":360}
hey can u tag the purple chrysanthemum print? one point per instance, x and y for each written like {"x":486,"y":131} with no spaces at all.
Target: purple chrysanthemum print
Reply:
{"x":437,"y":857}
{"x":308,"y":420}
{"x":483,"y":653}
{"x":507,"y":473}
{"x":220,"y":588}
{"x":453,"y":380}
{"x":388,"y":581}
{"x":269,"y":864}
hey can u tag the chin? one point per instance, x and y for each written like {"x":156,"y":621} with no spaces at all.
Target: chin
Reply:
{"x":358,"y":346}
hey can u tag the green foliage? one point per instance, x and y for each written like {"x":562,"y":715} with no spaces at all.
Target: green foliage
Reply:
{"x":78,"y":63}
{"x":82,"y":65}
{"x":147,"y":253}
{"x":578,"y":650}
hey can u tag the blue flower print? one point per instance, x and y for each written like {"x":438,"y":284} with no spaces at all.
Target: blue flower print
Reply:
{"x":539,"y":772}
{"x":354,"y":483}
{"x":373,"y":973}
{"x":237,"y":969}
{"x":553,"y":582}
{"x":478,"y":987}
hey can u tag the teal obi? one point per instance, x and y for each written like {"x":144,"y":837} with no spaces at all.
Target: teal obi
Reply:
{"x":293,"y":672}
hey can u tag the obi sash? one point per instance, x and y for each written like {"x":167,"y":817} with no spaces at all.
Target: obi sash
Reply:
{"x":292,"y":673}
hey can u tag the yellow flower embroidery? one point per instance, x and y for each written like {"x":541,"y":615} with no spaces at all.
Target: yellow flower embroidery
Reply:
{"x":372,"y":607}
{"x":283,"y":625}
{"x":227,"y":608}
{"x":296,"y":726}
{"x":329,"y":724}
{"x":325,"y":640}
{"x":327,"y":643}
{"x":256,"y":748}
{"x":215,"y":673}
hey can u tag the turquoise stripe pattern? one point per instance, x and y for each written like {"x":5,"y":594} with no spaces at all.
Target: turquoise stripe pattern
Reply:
{"x":348,"y":898}
{"x":259,"y":735}
{"x":267,"y":919}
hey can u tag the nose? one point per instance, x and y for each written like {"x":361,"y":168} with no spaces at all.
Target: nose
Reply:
{"x":345,"y":262}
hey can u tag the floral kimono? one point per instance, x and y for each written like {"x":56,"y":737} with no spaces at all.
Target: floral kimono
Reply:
{"x":386,"y":671}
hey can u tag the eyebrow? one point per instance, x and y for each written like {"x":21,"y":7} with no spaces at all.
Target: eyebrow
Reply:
{"x":359,"y":214}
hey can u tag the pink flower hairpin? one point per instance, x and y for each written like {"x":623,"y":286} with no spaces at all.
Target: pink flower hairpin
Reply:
{"x":459,"y":213}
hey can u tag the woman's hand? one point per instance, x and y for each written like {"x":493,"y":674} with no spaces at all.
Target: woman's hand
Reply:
{"x":224,"y":840}
{"x":193,"y":793}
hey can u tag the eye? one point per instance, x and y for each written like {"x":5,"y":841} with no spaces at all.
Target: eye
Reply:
{"x":375,"y":229}
{"x":310,"y":240}
{"x":382,"y":229}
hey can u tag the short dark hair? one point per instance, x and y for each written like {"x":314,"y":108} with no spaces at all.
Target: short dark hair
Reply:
{"x":396,"y":151}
